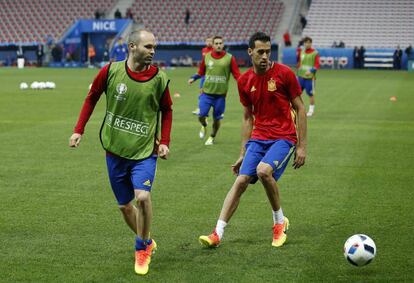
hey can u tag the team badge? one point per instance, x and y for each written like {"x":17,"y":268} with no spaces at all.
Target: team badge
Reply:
{"x":210,"y":64}
{"x":121,"y":89}
{"x":271,"y":85}
{"x":252,"y":89}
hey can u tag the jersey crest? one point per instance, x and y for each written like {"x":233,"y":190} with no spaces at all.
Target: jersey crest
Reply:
{"x":271,"y":85}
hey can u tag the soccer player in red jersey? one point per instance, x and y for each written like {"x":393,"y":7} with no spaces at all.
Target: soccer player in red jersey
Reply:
{"x":136,"y":92}
{"x":268,"y":91}
{"x":208,"y":48}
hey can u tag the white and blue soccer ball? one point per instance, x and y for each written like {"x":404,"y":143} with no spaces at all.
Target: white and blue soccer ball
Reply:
{"x":50,"y":85}
{"x":359,"y":250}
{"x":41,"y":85}
{"x":34,"y":85}
{"x":24,"y":85}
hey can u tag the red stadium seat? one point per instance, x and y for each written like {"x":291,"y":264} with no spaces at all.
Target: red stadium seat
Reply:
{"x":41,"y":17}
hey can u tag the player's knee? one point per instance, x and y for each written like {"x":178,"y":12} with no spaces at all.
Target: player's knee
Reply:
{"x":264,"y":171}
{"x":142,"y":197}
{"x":126,"y":209}
{"x":243,"y":180}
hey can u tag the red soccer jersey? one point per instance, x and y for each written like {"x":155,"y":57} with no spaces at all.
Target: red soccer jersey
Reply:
{"x":205,"y":50}
{"x":270,"y":96}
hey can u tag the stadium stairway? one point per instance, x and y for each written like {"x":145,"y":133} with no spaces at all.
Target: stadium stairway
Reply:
{"x":286,"y":20}
{"x":122,"y":5}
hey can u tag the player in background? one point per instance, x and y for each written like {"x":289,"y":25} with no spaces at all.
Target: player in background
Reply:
{"x":216,"y":66}
{"x":119,"y":51}
{"x":307,"y":67}
{"x":268,"y":91}
{"x":136,"y":93}
{"x":208,"y":48}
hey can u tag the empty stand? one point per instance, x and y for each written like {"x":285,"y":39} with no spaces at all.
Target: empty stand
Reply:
{"x":33,"y":21}
{"x":371,"y":23}
{"x":235,"y":20}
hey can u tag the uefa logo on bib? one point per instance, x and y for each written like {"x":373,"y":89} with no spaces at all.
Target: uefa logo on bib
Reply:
{"x":121,"y":89}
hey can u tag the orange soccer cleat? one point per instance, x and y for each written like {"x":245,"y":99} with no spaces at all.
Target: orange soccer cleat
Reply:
{"x":210,"y":241}
{"x":143,"y":258}
{"x":279,"y":235}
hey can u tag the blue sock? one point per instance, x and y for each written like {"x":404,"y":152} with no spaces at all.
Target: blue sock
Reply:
{"x":140,"y":244}
{"x":148,"y":242}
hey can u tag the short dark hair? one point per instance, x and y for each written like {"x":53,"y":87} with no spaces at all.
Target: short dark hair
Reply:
{"x":217,"y":37}
{"x":261,"y":36}
{"x":307,"y":38}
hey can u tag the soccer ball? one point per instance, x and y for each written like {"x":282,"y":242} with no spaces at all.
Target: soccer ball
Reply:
{"x":41,"y":85}
{"x":34,"y":85}
{"x":24,"y":85}
{"x":359,"y":249}
{"x":50,"y":85}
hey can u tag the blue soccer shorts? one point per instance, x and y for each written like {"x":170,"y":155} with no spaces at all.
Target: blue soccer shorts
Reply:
{"x":128,"y":175}
{"x":308,"y":85}
{"x":218,"y":102}
{"x":276,"y":153}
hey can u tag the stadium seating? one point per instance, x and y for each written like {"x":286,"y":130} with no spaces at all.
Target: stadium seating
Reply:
{"x":371,"y":23}
{"x":235,"y":20}
{"x":28,"y":21}
{"x":33,"y":21}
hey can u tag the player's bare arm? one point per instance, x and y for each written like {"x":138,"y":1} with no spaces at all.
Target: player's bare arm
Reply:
{"x":300,"y":154}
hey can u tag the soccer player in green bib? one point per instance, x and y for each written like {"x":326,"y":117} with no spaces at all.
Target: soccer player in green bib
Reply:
{"x":137,"y":100}
{"x":307,"y":66}
{"x":216,"y":66}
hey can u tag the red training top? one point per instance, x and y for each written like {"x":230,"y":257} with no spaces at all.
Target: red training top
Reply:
{"x":310,"y":50}
{"x":234,"y":69}
{"x":206,"y":50}
{"x":286,"y":37}
{"x":270,"y":95}
{"x":99,"y":86}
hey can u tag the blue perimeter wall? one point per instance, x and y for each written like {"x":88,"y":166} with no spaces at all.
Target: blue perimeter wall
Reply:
{"x":289,"y":55}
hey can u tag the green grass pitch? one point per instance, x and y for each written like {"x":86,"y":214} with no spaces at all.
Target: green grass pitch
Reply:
{"x":59,"y":221}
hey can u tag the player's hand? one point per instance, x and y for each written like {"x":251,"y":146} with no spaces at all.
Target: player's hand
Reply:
{"x":308,"y":73}
{"x":74,"y":140}
{"x":163,"y":151}
{"x":190,"y":81}
{"x":236,"y":166}
{"x":300,"y":156}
